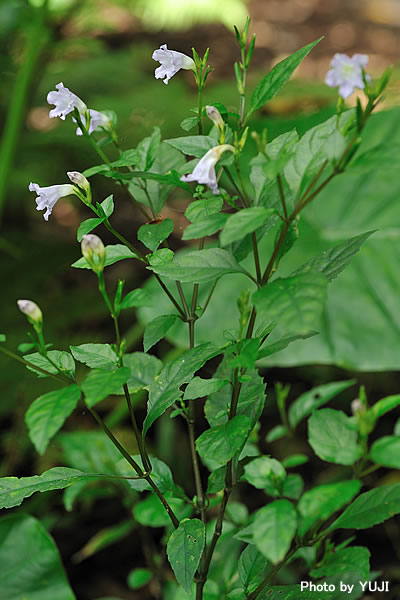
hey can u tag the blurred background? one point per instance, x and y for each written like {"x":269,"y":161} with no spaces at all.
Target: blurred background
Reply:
{"x":101,"y":50}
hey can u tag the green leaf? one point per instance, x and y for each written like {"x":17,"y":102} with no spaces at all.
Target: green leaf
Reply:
{"x":150,"y":512}
{"x":200,"y":266}
{"x":143,"y":368}
{"x":270,"y":85}
{"x":193,"y":145}
{"x":206,"y":227}
{"x":189,"y":123}
{"x":276,"y":433}
{"x":251,"y":566}
{"x":322,"y":501}
{"x":294,"y":460}
{"x":243,"y":222}
{"x":198,"y":388}
{"x":306,"y":403}
{"x":90,"y":451}
{"x":128,"y":158}
{"x":199,"y":210}
{"x":31,"y":567}
{"x":354,"y":559}
{"x":2,"y":337}
{"x":263,"y":471}
{"x":95,"y":356}
{"x":386,"y":452}
{"x":103,"y":538}
{"x":164,"y":391}
{"x":273,"y":529}
{"x":100,"y":384}
{"x":147,"y":150}
{"x":114,"y":253}
{"x":331,"y":262}
{"x":152,"y":235}
{"x":160,"y":473}
{"x":269,"y":349}
{"x":108,"y":205}
{"x":385,"y":405}
{"x":292,"y":486}
{"x":46,"y":415}
{"x":184,"y":550}
{"x":135,"y":298}
{"x":370,"y":508}
{"x":156,"y":330}
{"x":13,"y":490}
{"x":282,"y":143}
{"x":220,"y":443}
{"x":333,"y":437}
{"x":138,"y":578}
{"x":160,"y":257}
{"x":63,"y":361}
{"x":295,"y":303}
{"x":87,"y":226}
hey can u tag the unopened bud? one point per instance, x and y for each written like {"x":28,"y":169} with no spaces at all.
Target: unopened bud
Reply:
{"x":215,"y":116}
{"x":31,"y":311}
{"x":94,"y":252}
{"x":79,"y":179}
{"x":357,"y":407}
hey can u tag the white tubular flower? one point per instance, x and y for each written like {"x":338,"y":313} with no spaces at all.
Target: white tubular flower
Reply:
{"x":170,"y":63}
{"x":215,"y":116}
{"x":94,"y":252}
{"x":78,"y":179}
{"x":204,"y":171}
{"x":65,"y":102}
{"x":31,"y":311}
{"x":97,"y":120}
{"x":48,"y":196}
{"x":347,"y":73}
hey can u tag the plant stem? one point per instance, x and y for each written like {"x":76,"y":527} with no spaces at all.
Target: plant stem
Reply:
{"x":200,"y":109}
{"x":135,"y":466}
{"x":282,"y":195}
{"x":278,"y":567}
{"x":11,"y":354}
{"x":141,"y":445}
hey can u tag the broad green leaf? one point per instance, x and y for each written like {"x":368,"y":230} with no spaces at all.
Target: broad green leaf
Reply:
{"x":276,"y":433}
{"x":270,"y":85}
{"x":144,"y":368}
{"x":103,"y":539}
{"x":294,"y":460}
{"x":107,"y":206}
{"x":208,"y":226}
{"x":284,"y":142}
{"x":156,"y":330}
{"x":370,"y":508}
{"x":263,"y":471}
{"x":151,"y":235}
{"x":31,"y":568}
{"x":200,"y":266}
{"x":13,"y":490}
{"x":184,"y":550}
{"x":128,"y":158}
{"x":292,"y":486}
{"x":193,"y":145}
{"x":198,"y":388}
{"x":95,"y":356}
{"x":251,"y":398}
{"x":87,"y":226}
{"x":138,"y":578}
{"x":99,"y":384}
{"x":150,"y":512}
{"x":189,"y":123}
{"x":46,"y":415}
{"x":385,"y":405}
{"x":135,"y":298}
{"x":199,"y":210}
{"x":63,"y":361}
{"x":269,"y":349}
{"x":251,"y":566}
{"x":160,"y":473}
{"x":322,"y":501}
{"x":331,"y":262}
{"x":306,"y":403}
{"x":164,"y":391}
{"x":247,"y":354}
{"x":295,"y":303}
{"x":220,"y":443}
{"x":333,"y":437}
{"x":354,"y":559}
{"x":243,"y":222}
{"x":160,"y":257}
{"x":114,"y":253}
{"x":216,"y":480}
{"x":386,"y":451}
{"x":147,"y":150}
{"x":273,"y":529}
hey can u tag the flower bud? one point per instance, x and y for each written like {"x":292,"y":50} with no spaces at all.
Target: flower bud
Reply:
{"x":79,"y":180}
{"x":31,"y":311}
{"x":215,"y":116}
{"x":94,"y":252}
{"x":357,"y":407}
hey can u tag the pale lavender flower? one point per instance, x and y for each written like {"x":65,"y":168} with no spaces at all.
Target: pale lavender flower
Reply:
{"x":347,"y":73}
{"x":31,"y":310}
{"x":65,"y":102}
{"x":170,"y":62}
{"x":204,"y":171}
{"x":97,"y":120}
{"x":48,"y":196}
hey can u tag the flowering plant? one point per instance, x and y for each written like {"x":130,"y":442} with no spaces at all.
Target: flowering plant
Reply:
{"x":215,"y":547}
